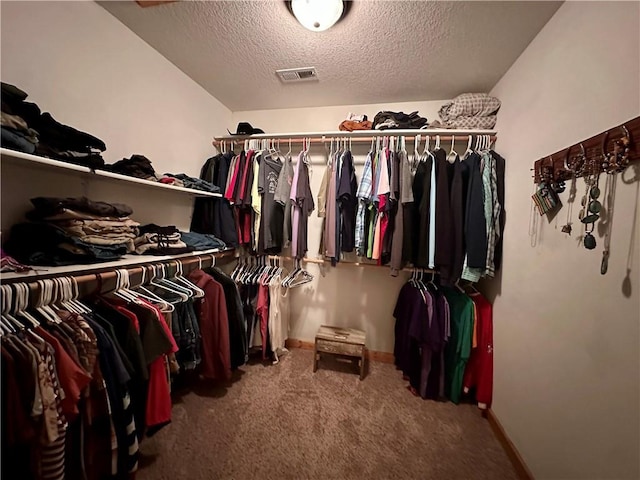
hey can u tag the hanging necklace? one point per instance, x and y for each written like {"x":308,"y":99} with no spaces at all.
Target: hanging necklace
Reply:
{"x":615,"y":163}
{"x":572,"y":190}
{"x":590,"y":201}
{"x":612,"y":181}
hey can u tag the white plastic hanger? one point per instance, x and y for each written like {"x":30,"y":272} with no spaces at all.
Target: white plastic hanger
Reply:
{"x":180,"y":279}
{"x":469,"y":146}
{"x":22,"y":303}
{"x":150,"y":296}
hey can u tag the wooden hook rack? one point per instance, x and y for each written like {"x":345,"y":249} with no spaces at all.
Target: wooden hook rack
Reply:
{"x":554,"y":167}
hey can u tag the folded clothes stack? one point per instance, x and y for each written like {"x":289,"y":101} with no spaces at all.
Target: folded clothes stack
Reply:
{"x":65,"y":231}
{"x":202,"y":241}
{"x":159,"y":240}
{"x":398,"y":120}
{"x":355,"y":122}
{"x":469,"y":111}
{"x":140,"y":166}
{"x":26,"y":129}
{"x":191,"y":182}
{"x":137,"y":166}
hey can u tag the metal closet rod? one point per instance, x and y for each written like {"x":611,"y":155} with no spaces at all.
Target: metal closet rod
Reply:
{"x":108,"y":274}
{"x":364,"y":137}
{"x":321,"y":261}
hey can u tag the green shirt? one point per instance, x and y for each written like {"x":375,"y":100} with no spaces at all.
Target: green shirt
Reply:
{"x":458,"y":348}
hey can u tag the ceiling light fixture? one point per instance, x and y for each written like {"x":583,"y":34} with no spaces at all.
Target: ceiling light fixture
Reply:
{"x":318,"y":15}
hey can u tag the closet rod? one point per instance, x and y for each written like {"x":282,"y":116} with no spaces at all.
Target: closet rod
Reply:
{"x":362,"y":133}
{"x":326,"y":139}
{"x":108,"y":273}
{"x":321,"y":261}
{"x":88,"y":284}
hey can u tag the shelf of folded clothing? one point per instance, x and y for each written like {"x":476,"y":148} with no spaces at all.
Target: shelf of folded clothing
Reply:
{"x":360,"y":133}
{"x":127,"y":261}
{"x":20,"y":157}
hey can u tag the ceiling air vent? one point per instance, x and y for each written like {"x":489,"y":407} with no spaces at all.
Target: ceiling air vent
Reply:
{"x":289,"y":75}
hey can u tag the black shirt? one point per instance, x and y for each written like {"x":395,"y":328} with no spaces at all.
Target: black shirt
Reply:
{"x":347,"y":202}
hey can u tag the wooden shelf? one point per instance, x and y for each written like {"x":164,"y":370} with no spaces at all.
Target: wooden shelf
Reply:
{"x":20,"y":158}
{"x":125,"y":262}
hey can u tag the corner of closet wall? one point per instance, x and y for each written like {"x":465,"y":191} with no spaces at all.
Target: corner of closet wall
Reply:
{"x":81,"y":64}
{"x":566,"y":338}
{"x":355,"y":297}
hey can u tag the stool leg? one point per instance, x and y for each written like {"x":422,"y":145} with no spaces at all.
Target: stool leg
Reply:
{"x":315,"y":358}
{"x":362,"y":367}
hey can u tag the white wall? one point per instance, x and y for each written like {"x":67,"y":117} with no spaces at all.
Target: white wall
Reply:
{"x":78,"y":62}
{"x":566,"y":337}
{"x":349,"y":296}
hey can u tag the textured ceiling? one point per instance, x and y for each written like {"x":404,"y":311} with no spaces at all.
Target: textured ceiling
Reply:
{"x":382,"y":51}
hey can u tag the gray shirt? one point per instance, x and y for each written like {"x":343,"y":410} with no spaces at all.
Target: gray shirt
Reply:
{"x":281,"y":195}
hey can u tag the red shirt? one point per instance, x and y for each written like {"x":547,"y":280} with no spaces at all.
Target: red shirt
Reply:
{"x":73,"y":379}
{"x":214,"y":327}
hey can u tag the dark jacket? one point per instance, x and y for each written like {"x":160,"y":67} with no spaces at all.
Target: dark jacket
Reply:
{"x":444,"y":224}
{"x":500,"y":163}
{"x":215,"y":215}
{"x":475,"y":223}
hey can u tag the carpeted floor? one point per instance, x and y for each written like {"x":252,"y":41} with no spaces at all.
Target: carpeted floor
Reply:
{"x":285,"y":422}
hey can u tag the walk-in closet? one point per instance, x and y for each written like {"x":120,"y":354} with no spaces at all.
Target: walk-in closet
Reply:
{"x":320,"y":239}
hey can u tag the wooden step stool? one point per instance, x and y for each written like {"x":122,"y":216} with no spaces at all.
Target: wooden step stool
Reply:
{"x":339,"y":341}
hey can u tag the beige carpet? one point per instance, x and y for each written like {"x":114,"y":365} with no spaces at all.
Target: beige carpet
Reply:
{"x":285,"y":422}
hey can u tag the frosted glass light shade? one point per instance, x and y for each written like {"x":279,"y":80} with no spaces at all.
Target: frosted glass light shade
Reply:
{"x":317,"y":15}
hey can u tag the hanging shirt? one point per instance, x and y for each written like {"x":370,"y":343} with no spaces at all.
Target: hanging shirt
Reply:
{"x":331,"y":213}
{"x":256,"y":201}
{"x":363,"y":194}
{"x":272,"y":223}
{"x":432,"y":214}
{"x":214,"y":328}
{"x":479,"y":369}
{"x":262,"y":311}
{"x":443,"y":221}
{"x":304,"y":205}
{"x":282,"y":195}
{"x":475,"y":222}
{"x":458,"y":200}
{"x":279,"y":313}
{"x":422,"y":198}
{"x":458,"y":349}
{"x":494,"y":231}
{"x":295,"y":212}
{"x":346,"y":199}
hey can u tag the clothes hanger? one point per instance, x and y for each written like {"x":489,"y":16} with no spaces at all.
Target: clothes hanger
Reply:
{"x":469,"y":145}
{"x":300,"y":278}
{"x":150,"y":296}
{"x":22,"y":299}
{"x":75,"y":294}
{"x":61,"y":300}
{"x":453,"y":142}
{"x":170,"y":286}
{"x":179,"y":278}
{"x":45,"y":299}
{"x":432,"y":281}
{"x":22,"y":303}
{"x":9,"y":324}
